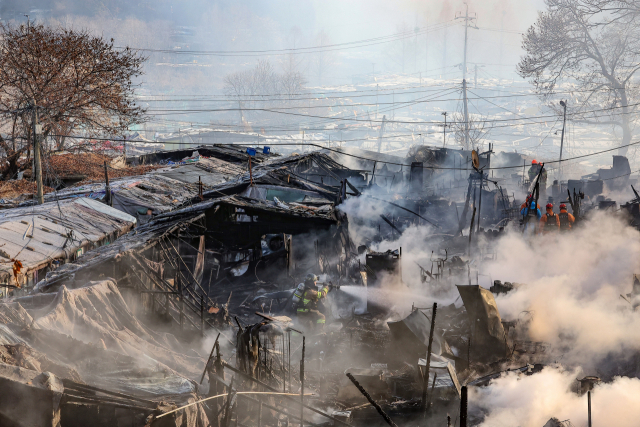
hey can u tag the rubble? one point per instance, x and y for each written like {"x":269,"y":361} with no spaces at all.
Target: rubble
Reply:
{"x":201,"y":256}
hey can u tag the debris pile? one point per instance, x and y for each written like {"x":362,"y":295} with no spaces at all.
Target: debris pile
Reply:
{"x":285,"y":290}
{"x":21,"y":188}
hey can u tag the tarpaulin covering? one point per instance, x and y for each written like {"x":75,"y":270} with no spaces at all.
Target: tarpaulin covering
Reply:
{"x":488,"y":338}
{"x":92,"y":330}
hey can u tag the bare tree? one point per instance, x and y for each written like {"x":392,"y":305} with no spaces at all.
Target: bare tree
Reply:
{"x":323,"y":59}
{"x":478,"y":130}
{"x":79,"y":83}
{"x":293,"y":59}
{"x":400,"y":50}
{"x":292,"y":84}
{"x":262,"y":87}
{"x":574,"y":42}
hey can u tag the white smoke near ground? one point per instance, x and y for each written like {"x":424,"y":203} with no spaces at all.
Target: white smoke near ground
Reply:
{"x":530,"y":401}
{"x":573,"y":287}
{"x":570,"y":299}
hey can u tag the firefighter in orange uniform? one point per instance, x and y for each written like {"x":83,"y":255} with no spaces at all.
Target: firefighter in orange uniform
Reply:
{"x":550,"y":222}
{"x":566,"y":219}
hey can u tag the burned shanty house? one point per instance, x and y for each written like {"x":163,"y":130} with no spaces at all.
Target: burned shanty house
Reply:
{"x":169,"y":298}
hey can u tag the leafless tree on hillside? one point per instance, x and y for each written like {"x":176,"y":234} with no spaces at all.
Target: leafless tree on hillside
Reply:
{"x":575,"y":45}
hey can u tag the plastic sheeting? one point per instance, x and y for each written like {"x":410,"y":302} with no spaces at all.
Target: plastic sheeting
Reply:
{"x":92,"y":330}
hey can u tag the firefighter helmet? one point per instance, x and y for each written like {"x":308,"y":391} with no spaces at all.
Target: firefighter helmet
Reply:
{"x":311,"y":278}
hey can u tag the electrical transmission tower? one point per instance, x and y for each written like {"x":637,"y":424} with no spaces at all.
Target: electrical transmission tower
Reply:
{"x":469,"y":22}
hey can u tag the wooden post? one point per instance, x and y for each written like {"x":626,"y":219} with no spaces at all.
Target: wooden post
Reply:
{"x":202,"y":315}
{"x":302,"y":384}
{"x":425,"y":382}
{"x":480,"y":202}
{"x":473,"y":217}
{"x":589,"y":407}
{"x":227,"y":415}
{"x":209,"y":359}
{"x":433,"y":386}
{"x":289,"y":356}
{"x":107,"y":188}
{"x":463,"y":407}
{"x":371,"y":401}
{"x":284,"y":369}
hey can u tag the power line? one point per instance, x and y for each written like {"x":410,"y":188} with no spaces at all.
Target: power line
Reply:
{"x":304,"y":50}
{"x":256,"y":98}
{"x":395,"y":121}
{"x":374,"y":160}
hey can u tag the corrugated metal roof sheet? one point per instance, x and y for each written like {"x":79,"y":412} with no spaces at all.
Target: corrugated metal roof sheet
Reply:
{"x":37,"y":235}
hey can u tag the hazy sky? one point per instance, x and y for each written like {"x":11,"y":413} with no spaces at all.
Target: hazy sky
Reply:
{"x":278,"y":24}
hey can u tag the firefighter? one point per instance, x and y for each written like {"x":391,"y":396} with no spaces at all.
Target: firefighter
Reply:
{"x":565,"y":218}
{"x":550,"y":222}
{"x":306,"y":298}
{"x":532,"y":216}
{"x":526,"y":202}
{"x":533,"y":170}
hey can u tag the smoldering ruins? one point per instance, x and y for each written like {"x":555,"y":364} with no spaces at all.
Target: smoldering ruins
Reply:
{"x":144,"y":314}
{"x":204,"y":224}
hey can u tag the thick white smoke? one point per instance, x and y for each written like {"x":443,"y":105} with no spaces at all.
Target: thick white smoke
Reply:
{"x":530,"y":401}
{"x":573,"y":287}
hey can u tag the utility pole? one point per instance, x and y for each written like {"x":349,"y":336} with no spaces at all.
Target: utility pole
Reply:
{"x":393,"y":110}
{"x":415,"y":46}
{"x":384,"y":118}
{"x":467,"y":19}
{"x":376,"y":102}
{"x":466,"y":115}
{"x":37,"y":164}
{"x":426,"y":53}
{"x":501,"y":45}
{"x":564,"y":121}
{"x":444,"y":130}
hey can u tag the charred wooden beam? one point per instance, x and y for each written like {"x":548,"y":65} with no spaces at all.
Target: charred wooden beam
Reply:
{"x":373,"y":402}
